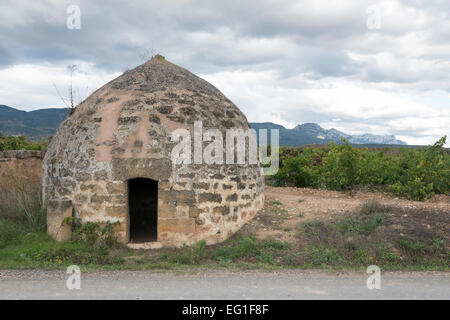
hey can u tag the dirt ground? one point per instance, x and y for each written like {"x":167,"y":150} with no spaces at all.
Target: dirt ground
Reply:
{"x":286,"y":208}
{"x":311,"y":228}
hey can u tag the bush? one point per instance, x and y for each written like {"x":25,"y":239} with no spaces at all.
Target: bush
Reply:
{"x":299,"y":170}
{"x":20,"y":143}
{"x":370,"y":207}
{"x":417,"y":174}
{"x":320,"y":256}
{"x":341,"y":167}
{"x":21,"y":207}
{"x":93,"y":233}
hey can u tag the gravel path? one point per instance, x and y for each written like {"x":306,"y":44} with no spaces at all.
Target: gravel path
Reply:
{"x":219,"y":284}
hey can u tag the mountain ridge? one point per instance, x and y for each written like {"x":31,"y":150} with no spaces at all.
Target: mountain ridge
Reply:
{"x":42,"y":123}
{"x":36,"y":124}
{"x":312,"y":133}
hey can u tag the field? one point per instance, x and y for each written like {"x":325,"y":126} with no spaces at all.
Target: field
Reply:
{"x":417,"y":174}
{"x":298,"y":228}
{"x":332,"y":208}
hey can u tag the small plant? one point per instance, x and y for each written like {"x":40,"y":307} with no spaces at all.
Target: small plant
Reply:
{"x":250,"y":248}
{"x":366,"y":226}
{"x":320,"y":256}
{"x":312,"y":224}
{"x":370,"y":207}
{"x":185,"y":255}
{"x":437,"y":245}
{"x":386,"y":255}
{"x":93,"y":233}
{"x":276,"y":203}
{"x":412,"y":248}
{"x":246,"y":246}
{"x":361,"y":255}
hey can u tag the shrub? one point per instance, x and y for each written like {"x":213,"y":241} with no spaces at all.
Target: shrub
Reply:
{"x":321,"y":256}
{"x":21,"y":207}
{"x":370,"y":207}
{"x":299,"y":170}
{"x":341,"y":166}
{"x":20,"y":143}
{"x":417,"y":174}
{"x":93,"y":233}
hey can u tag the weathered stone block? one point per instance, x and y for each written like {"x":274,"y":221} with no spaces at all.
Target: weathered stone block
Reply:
{"x":223,"y":210}
{"x":201,"y":185}
{"x":116,"y":211}
{"x":209,"y":197}
{"x":178,"y":197}
{"x":57,"y":211}
{"x":176,"y":225}
{"x":232,"y":197}
{"x":116,"y":187}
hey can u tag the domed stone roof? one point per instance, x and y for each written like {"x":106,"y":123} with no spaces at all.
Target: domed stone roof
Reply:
{"x":122,"y":133}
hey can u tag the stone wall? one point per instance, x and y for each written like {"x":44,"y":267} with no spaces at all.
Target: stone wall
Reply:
{"x":21,"y":163}
{"x":124,"y":131}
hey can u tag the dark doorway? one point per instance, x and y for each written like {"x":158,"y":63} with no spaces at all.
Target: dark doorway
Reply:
{"x":143,"y":206}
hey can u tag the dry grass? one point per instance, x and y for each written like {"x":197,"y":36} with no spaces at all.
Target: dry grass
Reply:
{"x":21,"y":206}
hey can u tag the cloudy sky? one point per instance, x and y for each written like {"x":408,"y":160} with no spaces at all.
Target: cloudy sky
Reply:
{"x":359,"y":66}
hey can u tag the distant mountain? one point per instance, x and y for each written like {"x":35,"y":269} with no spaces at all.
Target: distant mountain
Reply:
{"x":38,"y":124}
{"x":312,"y":133}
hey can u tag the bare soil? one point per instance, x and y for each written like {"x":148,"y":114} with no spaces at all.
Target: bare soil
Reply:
{"x":323,"y":228}
{"x":287,"y":207}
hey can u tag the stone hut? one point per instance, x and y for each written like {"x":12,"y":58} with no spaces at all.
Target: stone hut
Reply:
{"x":110,"y":160}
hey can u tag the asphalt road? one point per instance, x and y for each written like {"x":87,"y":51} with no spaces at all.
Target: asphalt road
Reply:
{"x":219,"y":284}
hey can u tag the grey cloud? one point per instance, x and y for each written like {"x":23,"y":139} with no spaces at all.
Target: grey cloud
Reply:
{"x":114,"y":35}
{"x":300,"y":39}
{"x":5,"y":57}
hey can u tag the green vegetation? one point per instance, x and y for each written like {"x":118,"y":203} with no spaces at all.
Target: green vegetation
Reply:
{"x":37,"y":124}
{"x":370,"y":237}
{"x":20,"y":143}
{"x":417,"y":174}
{"x":21,"y":208}
{"x":351,"y":240}
{"x":249,"y":248}
{"x":184,"y":256}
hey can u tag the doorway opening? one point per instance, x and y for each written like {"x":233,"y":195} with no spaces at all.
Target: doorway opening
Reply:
{"x":143,"y":209}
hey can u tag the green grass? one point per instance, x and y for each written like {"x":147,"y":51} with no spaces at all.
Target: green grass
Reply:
{"x":38,"y":250}
{"x":249,"y":247}
{"x":354,"y":225}
{"x":312,"y":224}
{"x":351,"y":241}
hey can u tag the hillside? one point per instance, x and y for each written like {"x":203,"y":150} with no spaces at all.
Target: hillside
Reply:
{"x":38,"y":124}
{"x":312,"y":133}
{"x":42,"y":123}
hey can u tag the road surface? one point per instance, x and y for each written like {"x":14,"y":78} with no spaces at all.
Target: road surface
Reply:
{"x":220,"y":284}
